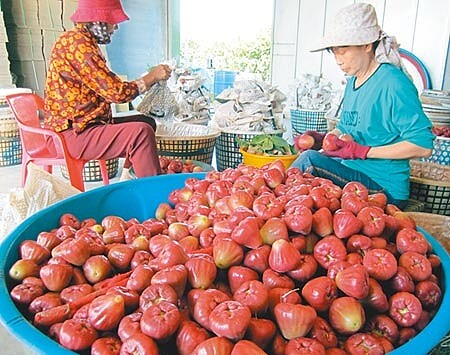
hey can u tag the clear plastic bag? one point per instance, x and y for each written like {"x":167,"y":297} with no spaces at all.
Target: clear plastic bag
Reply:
{"x":41,"y":190}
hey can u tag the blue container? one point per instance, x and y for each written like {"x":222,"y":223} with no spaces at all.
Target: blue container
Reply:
{"x":136,"y":198}
{"x":223,"y":79}
{"x":139,"y":198}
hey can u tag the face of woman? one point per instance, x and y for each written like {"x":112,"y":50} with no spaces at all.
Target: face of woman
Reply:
{"x":353,"y":60}
{"x":111,"y":28}
{"x":102,"y":31}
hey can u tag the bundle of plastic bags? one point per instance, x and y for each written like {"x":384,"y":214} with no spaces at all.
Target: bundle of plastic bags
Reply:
{"x":251,"y":105}
{"x":41,"y":189}
{"x":312,"y":92}
{"x":193,"y":98}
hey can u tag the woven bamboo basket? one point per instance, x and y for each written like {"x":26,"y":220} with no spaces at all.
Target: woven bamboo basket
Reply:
{"x":8,"y":127}
{"x":186,"y":141}
{"x":430,"y":183}
{"x":435,"y":224}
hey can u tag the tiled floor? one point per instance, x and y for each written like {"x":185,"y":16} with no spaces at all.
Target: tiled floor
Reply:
{"x":10,"y":179}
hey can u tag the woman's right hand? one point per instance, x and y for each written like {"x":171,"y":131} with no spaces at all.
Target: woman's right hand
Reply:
{"x":318,"y":139}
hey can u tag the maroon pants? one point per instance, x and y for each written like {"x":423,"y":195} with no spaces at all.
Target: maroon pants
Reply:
{"x":131,"y":137}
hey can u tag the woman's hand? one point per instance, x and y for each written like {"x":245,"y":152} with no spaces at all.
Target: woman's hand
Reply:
{"x":348,"y":150}
{"x":158,"y":73}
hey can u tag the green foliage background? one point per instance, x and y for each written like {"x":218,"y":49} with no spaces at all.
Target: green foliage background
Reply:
{"x":242,"y":56}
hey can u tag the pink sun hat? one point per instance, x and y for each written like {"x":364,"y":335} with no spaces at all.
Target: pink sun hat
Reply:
{"x":109,"y":11}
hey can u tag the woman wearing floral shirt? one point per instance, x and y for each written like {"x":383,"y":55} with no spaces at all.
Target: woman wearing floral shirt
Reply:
{"x":80,"y":89}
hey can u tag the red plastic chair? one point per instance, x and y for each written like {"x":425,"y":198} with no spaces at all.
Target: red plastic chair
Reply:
{"x":37,"y":141}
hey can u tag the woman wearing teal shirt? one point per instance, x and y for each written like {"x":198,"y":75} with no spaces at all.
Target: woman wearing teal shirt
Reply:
{"x":380,"y":110}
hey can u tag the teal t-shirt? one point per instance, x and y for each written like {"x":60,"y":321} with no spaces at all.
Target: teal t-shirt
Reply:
{"x":385,"y":110}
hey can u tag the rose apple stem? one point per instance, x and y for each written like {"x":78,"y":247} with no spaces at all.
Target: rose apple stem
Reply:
{"x":66,"y":311}
{"x":52,"y":316}
{"x":84,"y":300}
{"x":61,"y":313}
{"x":285,"y":295}
{"x":112,"y":281}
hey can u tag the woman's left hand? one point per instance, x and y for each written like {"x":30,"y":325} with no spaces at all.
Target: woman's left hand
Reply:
{"x":348,"y":150}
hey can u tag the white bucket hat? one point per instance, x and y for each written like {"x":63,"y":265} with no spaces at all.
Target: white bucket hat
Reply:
{"x":353,"y":25}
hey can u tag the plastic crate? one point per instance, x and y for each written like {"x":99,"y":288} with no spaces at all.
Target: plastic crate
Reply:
{"x":10,"y":151}
{"x":227,"y":149}
{"x":91,"y":170}
{"x":303,"y":120}
{"x":8,"y":128}
{"x":186,"y":141}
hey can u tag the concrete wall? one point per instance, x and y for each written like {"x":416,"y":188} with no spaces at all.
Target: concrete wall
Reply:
{"x":32,"y":27}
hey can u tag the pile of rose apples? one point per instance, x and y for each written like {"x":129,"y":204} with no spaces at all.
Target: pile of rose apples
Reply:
{"x":441,"y":131}
{"x":176,"y":166}
{"x":244,"y":261}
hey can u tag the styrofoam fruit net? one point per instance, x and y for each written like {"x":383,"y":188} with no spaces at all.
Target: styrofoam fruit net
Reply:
{"x":184,"y":130}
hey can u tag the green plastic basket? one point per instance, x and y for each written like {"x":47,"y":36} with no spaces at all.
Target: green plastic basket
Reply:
{"x":414,"y":206}
{"x":91,"y":170}
{"x":227,"y":149}
{"x":430,"y":184}
{"x":443,"y":348}
{"x":10,"y":151}
{"x":303,"y":120}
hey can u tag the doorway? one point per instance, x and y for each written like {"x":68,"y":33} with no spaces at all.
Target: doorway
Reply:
{"x":233,"y":35}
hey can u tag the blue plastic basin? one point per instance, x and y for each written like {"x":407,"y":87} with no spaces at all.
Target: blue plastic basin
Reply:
{"x":139,"y":199}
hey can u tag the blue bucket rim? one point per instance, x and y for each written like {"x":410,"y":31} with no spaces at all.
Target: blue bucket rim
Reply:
{"x":11,"y":318}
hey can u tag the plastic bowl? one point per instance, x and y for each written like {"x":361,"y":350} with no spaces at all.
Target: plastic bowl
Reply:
{"x":139,"y":198}
{"x":258,"y":161}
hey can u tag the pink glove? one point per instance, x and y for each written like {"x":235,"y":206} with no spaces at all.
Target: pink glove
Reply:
{"x":318,"y":139}
{"x":348,"y":150}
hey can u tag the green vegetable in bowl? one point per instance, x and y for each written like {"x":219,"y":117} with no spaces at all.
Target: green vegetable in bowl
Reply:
{"x":266,"y":144}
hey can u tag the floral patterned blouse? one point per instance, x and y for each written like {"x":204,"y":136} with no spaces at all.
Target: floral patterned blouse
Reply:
{"x":80,"y":87}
